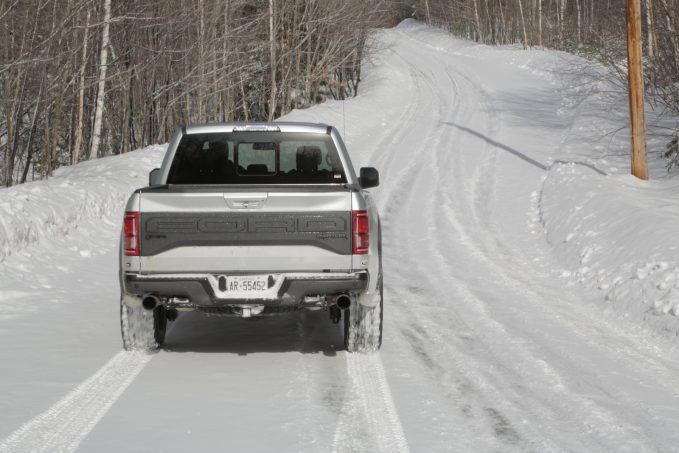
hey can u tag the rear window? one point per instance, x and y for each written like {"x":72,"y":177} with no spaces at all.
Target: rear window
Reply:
{"x":256,"y":158}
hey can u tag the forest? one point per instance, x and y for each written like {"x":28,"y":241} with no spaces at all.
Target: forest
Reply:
{"x":82,"y":79}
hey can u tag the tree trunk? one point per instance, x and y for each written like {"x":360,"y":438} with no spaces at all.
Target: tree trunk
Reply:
{"x":523,"y":25}
{"x":81,"y":95}
{"x":272,"y":56}
{"x":31,"y":132}
{"x":651,"y":49}
{"x":201,"y":63}
{"x":126,"y":103}
{"x":479,"y":35}
{"x":540,"y":23}
{"x":649,"y":26}
{"x":579,"y":18}
{"x":101,"y":91}
{"x":562,"y":13}
{"x":228,"y":102}
{"x":246,"y":108}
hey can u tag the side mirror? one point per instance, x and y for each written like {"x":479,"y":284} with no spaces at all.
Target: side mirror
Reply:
{"x":154,"y":176}
{"x":369,"y":177}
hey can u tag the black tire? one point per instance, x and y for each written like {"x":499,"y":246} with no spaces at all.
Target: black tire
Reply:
{"x":363,"y":326}
{"x":141,"y":329}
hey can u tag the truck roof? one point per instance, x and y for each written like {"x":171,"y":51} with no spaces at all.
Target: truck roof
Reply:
{"x":255,"y":126}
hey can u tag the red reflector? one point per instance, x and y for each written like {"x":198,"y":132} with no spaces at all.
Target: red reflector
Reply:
{"x":361,"y":232}
{"x":131,"y":233}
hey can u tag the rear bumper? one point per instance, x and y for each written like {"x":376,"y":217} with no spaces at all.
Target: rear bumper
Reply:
{"x":286,"y":289}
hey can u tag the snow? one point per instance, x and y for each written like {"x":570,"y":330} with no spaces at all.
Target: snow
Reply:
{"x":619,"y":235}
{"x":74,"y":198}
{"x":531,"y":284}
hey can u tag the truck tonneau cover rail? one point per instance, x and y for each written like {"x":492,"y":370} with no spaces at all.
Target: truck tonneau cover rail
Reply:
{"x":217,"y":188}
{"x":283,"y":126}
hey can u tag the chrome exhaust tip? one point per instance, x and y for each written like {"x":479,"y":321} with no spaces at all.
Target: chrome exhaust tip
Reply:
{"x":343,"y":301}
{"x":149,"y":302}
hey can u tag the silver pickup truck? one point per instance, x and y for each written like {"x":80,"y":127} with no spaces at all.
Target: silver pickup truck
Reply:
{"x":249,"y":220}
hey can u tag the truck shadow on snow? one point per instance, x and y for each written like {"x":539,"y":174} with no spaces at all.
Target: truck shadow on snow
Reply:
{"x":304,"y":332}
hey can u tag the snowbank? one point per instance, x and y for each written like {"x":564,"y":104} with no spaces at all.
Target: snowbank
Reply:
{"x":90,"y":191}
{"x":604,"y":228}
{"x":617,"y":234}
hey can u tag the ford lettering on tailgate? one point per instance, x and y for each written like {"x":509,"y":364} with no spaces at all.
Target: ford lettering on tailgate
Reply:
{"x":165,"y":231}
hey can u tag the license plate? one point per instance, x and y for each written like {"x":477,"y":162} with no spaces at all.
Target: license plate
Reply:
{"x":247,"y":283}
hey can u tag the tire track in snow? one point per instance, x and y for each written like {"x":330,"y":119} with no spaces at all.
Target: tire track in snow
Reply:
{"x":490,"y":426}
{"x":62,"y":427}
{"x":494,"y":411}
{"x":368,"y":419}
{"x":557,"y":402}
{"x":474,"y":195}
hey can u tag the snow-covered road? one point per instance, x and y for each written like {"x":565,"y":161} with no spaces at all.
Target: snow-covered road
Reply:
{"x":488,"y":344}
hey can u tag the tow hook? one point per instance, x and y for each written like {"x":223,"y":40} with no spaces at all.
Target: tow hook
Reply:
{"x":248,"y":311}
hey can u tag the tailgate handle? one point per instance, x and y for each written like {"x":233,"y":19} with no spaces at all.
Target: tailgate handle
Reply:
{"x":245,"y":200}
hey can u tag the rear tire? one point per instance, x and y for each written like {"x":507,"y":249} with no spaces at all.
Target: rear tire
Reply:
{"x":141,"y":329}
{"x":363,"y":326}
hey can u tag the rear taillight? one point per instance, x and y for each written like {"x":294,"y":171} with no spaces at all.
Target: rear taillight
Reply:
{"x":361,"y":232}
{"x":131,"y":234}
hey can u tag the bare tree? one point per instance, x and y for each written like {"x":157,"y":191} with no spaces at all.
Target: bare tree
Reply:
{"x":593,"y":28}
{"x":81,"y":93}
{"x":108,"y":77}
{"x":101,"y":91}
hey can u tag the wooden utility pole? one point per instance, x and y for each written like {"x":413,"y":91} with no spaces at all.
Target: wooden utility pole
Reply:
{"x":636,"y":89}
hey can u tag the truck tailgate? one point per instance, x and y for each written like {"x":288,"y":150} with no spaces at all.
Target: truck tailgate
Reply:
{"x":244,"y":232}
